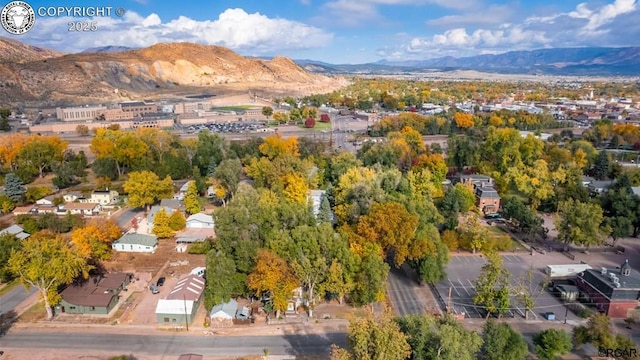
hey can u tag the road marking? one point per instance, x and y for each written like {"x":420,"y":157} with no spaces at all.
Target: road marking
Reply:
{"x":454,"y":288}
{"x":464,"y":288}
{"x":472,"y":286}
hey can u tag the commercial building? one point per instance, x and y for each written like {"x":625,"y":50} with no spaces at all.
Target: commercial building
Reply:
{"x":138,"y":108}
{"x":83,"y":113}
{"x":182,"y":303}
{"x":615,"y":292}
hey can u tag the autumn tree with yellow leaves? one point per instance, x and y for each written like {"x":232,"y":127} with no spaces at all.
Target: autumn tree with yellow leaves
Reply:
{"x":95,"y":238}
{"x":274,"y":276}
{"x":463,"y":120}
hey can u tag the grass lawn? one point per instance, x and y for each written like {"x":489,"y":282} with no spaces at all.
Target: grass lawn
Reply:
{"x":319,"y":126}
{"x":34,"y":313}
{"x":499,"y":235}
{"x":232,"y":108}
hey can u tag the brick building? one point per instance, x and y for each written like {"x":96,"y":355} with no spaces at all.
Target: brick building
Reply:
{"x":615,"y":292}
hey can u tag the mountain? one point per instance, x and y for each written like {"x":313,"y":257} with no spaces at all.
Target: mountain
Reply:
{"x":166,"y":68}
{"x":107,"y":49}
{"x":589,"y":61}
{"x":12,"y":51}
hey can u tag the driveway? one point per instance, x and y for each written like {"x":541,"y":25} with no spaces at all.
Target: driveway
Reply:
{"x":13,"y":298}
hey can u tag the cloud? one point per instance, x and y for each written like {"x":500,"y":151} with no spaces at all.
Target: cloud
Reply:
{"x":250,"y":34}
{"x":494,"y":14}
{"x":354,"y":13}
{"x":612,"y":24}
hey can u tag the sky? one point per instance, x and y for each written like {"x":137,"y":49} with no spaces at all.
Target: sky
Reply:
{"x":348,"y":31}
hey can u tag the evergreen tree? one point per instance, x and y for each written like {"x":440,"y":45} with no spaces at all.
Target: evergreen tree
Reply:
{"x":14,"y":187}
{"x":601,"y":166}
{"x":211,"y":169}
{"x":324,"y":212}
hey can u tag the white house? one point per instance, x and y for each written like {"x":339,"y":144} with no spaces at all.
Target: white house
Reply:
{"x":47,"y":200}
{"x":16,"y":230}
{"x":223,"y":314}
{"x":200,"y":221}
{"x":136,"y":243}
{"x":87,"y":209}
{"x":104,"y":197}
{"x":72,"y":196}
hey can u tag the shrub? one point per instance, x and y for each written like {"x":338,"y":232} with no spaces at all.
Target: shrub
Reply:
{"x":200,"y":248}
{"x":310,"y":122}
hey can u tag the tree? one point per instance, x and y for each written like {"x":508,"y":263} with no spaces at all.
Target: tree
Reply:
{"x":325,"y":215}
{"x":601,"y":166}
{"x":14,"y":188}
{"x":492,"y":286}
{"x":337,"y":281}
{"x":145,"y":188}
{"x":6,"y":204}
{"x":374,"y":338}
{"x":581,"y":224}
{"x":161,"y":226}
{"x":523,"y":217}
{"x":41,"y":152}
{"x":273,"y":275}
{"x":371,"y":276}
{"x":222,"y":279}
{"x":229,"y":174}
{"x":527,"y":290}
{"x":551,"y":343}
{"x":310,"y":123}
{"x":94,"y":239}
{"x":8,"y":244}
{"x":295,"y":188}
{"x":82,"y":130}
{"x":177,"y":221}
{"x":439,"y":339}
{"x":267,"y":111}
{"x":463,"y":121}
{"x":4,"y":124}
{"x":275,"y":146}
{"x":501,"y":342}
{"x":311,"y":273}
{"x":46,"y":262}
{"x":598,"y":331}
{"x":191,"y":199}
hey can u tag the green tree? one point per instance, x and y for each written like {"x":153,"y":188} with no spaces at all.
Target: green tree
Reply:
{"x":581,"y":224}
{"x":528,"y":290}
{"x":82,"y":130}
{"x":229,"y":173}
{"x":8,"y":244}
{"x":41,"y":153}
{"x":46,"y":262}
{"x":145,"y":188}
{"x":492,"y":286}
{"x":439,"y":339}
{"x":14,"y":188}
{"x":177,"y":221}
{"x":374,"y":338}
{"x":371,"y":276}
{"x":6,"y":204}
{"x":222,"y":279}
{"x":161,"y":226}
{"x":191,"y":199}
{"x":267,"y":111}
{"x":325,"y":215}
{"x":501,"y":342}
{"x":523,"y":217}
{"x":601,"y":166}
{"x":337,"y":281}
{"x":598,"y":331}
{"x":311,"y":273}
{"x":551,"y":343}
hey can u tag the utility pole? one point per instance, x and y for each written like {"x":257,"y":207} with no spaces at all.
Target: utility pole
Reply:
{"x":186,"y":318}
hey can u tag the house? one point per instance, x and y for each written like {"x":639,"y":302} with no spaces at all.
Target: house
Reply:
{"x":97,"y":295}
{"x":174,"y":204}
{"x":154,"y":210}
{"x":47,"y":200}
{"x":15,"y":230}
{"x":614,"y":292}
{"x":104,"y":197}
{"x":635,"y":190}
{"x":596,"y":186}
{"x":315,"y":198}
{"x":223,"y":314}
{"x":48,"y":209}
{"x":24,"y":210}
{"x":72,"y":196}
{"x":200,"y":221}
{"x":136,"y":243}
{"x":86,"y":209}
{"x":182,"y":191}
{"x":487,"y":197}
{"x":182,"y":303}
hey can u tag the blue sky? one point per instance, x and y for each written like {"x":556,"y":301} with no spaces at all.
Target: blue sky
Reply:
{"x":351,"y":31}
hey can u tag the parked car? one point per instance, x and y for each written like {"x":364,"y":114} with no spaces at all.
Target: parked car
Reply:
{"x":161,"y":281}
{"x":154,"y":289}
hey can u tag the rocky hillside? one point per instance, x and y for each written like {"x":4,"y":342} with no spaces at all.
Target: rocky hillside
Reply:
{"x":156,"y":70}
{"x":12,"y":51}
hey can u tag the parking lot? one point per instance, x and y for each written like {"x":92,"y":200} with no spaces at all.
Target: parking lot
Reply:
{"x":229,"y":127}
{"x":462,"y":271}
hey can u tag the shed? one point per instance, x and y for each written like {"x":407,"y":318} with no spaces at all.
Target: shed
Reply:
{"x":136,"y":243}
{"x":182,"y":303}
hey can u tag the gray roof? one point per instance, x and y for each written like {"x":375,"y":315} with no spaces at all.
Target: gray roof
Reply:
{"x":230,"y":308}
{"x":487,"y":192}
{"x":138,"y":239}
{"x":16,"y":230}
{"x":635,"y":190}
{"x":171,"y":203}
{"x":155,"y":209}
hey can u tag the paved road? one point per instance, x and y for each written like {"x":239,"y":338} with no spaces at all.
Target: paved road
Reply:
{"x":404,"y":298}
{"x":176,"y":344}
{"x":123,"y":220}
{"x":13,"y":298}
